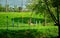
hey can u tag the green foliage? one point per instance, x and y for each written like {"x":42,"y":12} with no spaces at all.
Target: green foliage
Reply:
{"x":18,"y":18}
{"x":20,"y":9}
{"x":2,"y":8}
{"x":55,"y":3}
{"x":10,"y":9}
{"x":45,"y":6}
{"x":38,"y":6}
{"x":51,"y":32}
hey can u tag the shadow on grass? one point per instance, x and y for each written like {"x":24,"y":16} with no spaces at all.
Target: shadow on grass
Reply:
{"x":28,"y":33}
{"x":17,"y":34}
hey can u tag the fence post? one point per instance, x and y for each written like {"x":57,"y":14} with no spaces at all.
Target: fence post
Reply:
{"x":17,"y":23}
{"x":7,"y":26}
{"x":7,"y":22}
{"x":39,"y":23}
{"x":13,"y":22}
{"x":36,"y":22}
{"x":22,"y":20}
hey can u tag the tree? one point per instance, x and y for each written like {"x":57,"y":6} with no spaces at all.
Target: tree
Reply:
{"x":2,"y":8}
{"x":15,"y":8}
{"x":30,"y":7}
{"x":55,"y":3}
{"x":38,"y":7}
{"x":20,"y":9}
{"x":42,"y":5}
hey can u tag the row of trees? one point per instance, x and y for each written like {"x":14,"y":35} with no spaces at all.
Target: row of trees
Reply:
{"x":10,"y":9}
{"x":48,"y":7}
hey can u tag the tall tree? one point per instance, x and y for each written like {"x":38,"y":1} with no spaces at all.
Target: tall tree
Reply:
{"x":20,"y":9}
{"x":42,"y":5}
{"x":2,"y":8}
{"x":15,"y":8}
{"x":55,"y":3}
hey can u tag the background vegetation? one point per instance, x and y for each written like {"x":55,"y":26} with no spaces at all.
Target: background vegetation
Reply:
{"x":40,"y":19}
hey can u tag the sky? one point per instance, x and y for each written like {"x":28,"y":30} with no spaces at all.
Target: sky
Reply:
{"x":11,"y":3}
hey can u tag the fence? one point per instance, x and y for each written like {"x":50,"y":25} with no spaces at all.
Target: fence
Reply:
{"x":18,"y":22}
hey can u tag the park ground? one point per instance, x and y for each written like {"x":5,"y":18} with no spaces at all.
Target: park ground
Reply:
{"x":35,"y":30}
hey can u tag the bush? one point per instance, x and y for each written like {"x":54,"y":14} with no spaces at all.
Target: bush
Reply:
{"x":30,"y":33}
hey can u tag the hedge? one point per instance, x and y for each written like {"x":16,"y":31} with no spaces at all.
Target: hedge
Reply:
{"x":30,"y":33}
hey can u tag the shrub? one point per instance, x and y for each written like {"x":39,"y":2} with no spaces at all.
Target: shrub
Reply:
{"x":30,"y":33}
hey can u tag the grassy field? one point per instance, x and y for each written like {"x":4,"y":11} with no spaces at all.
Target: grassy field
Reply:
{"x":29,"y":32}
{"x":29,"y":27}
{"x":23,"y":29}
{"x":17,"y":16}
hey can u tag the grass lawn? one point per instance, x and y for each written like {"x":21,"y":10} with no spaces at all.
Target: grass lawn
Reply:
{"x":21,"y":29}
{"x":18,"y":20}
{"x":29,"y":27}
{"x":17,"y":16}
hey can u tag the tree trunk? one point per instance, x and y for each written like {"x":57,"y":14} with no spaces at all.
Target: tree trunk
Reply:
{"x":51,"y":14}
{"x":58,"y":22}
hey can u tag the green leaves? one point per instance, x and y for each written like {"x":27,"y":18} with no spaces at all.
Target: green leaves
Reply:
{"x":55,"y":3}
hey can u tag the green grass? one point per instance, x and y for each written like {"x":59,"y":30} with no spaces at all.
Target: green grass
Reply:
{"x":29,"y":27}
{"x":20,"y":30}
{"x":32,"y":32}
{"x":17,"y":16}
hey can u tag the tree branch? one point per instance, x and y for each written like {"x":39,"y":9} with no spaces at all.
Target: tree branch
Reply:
{"x":51,"y":13}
